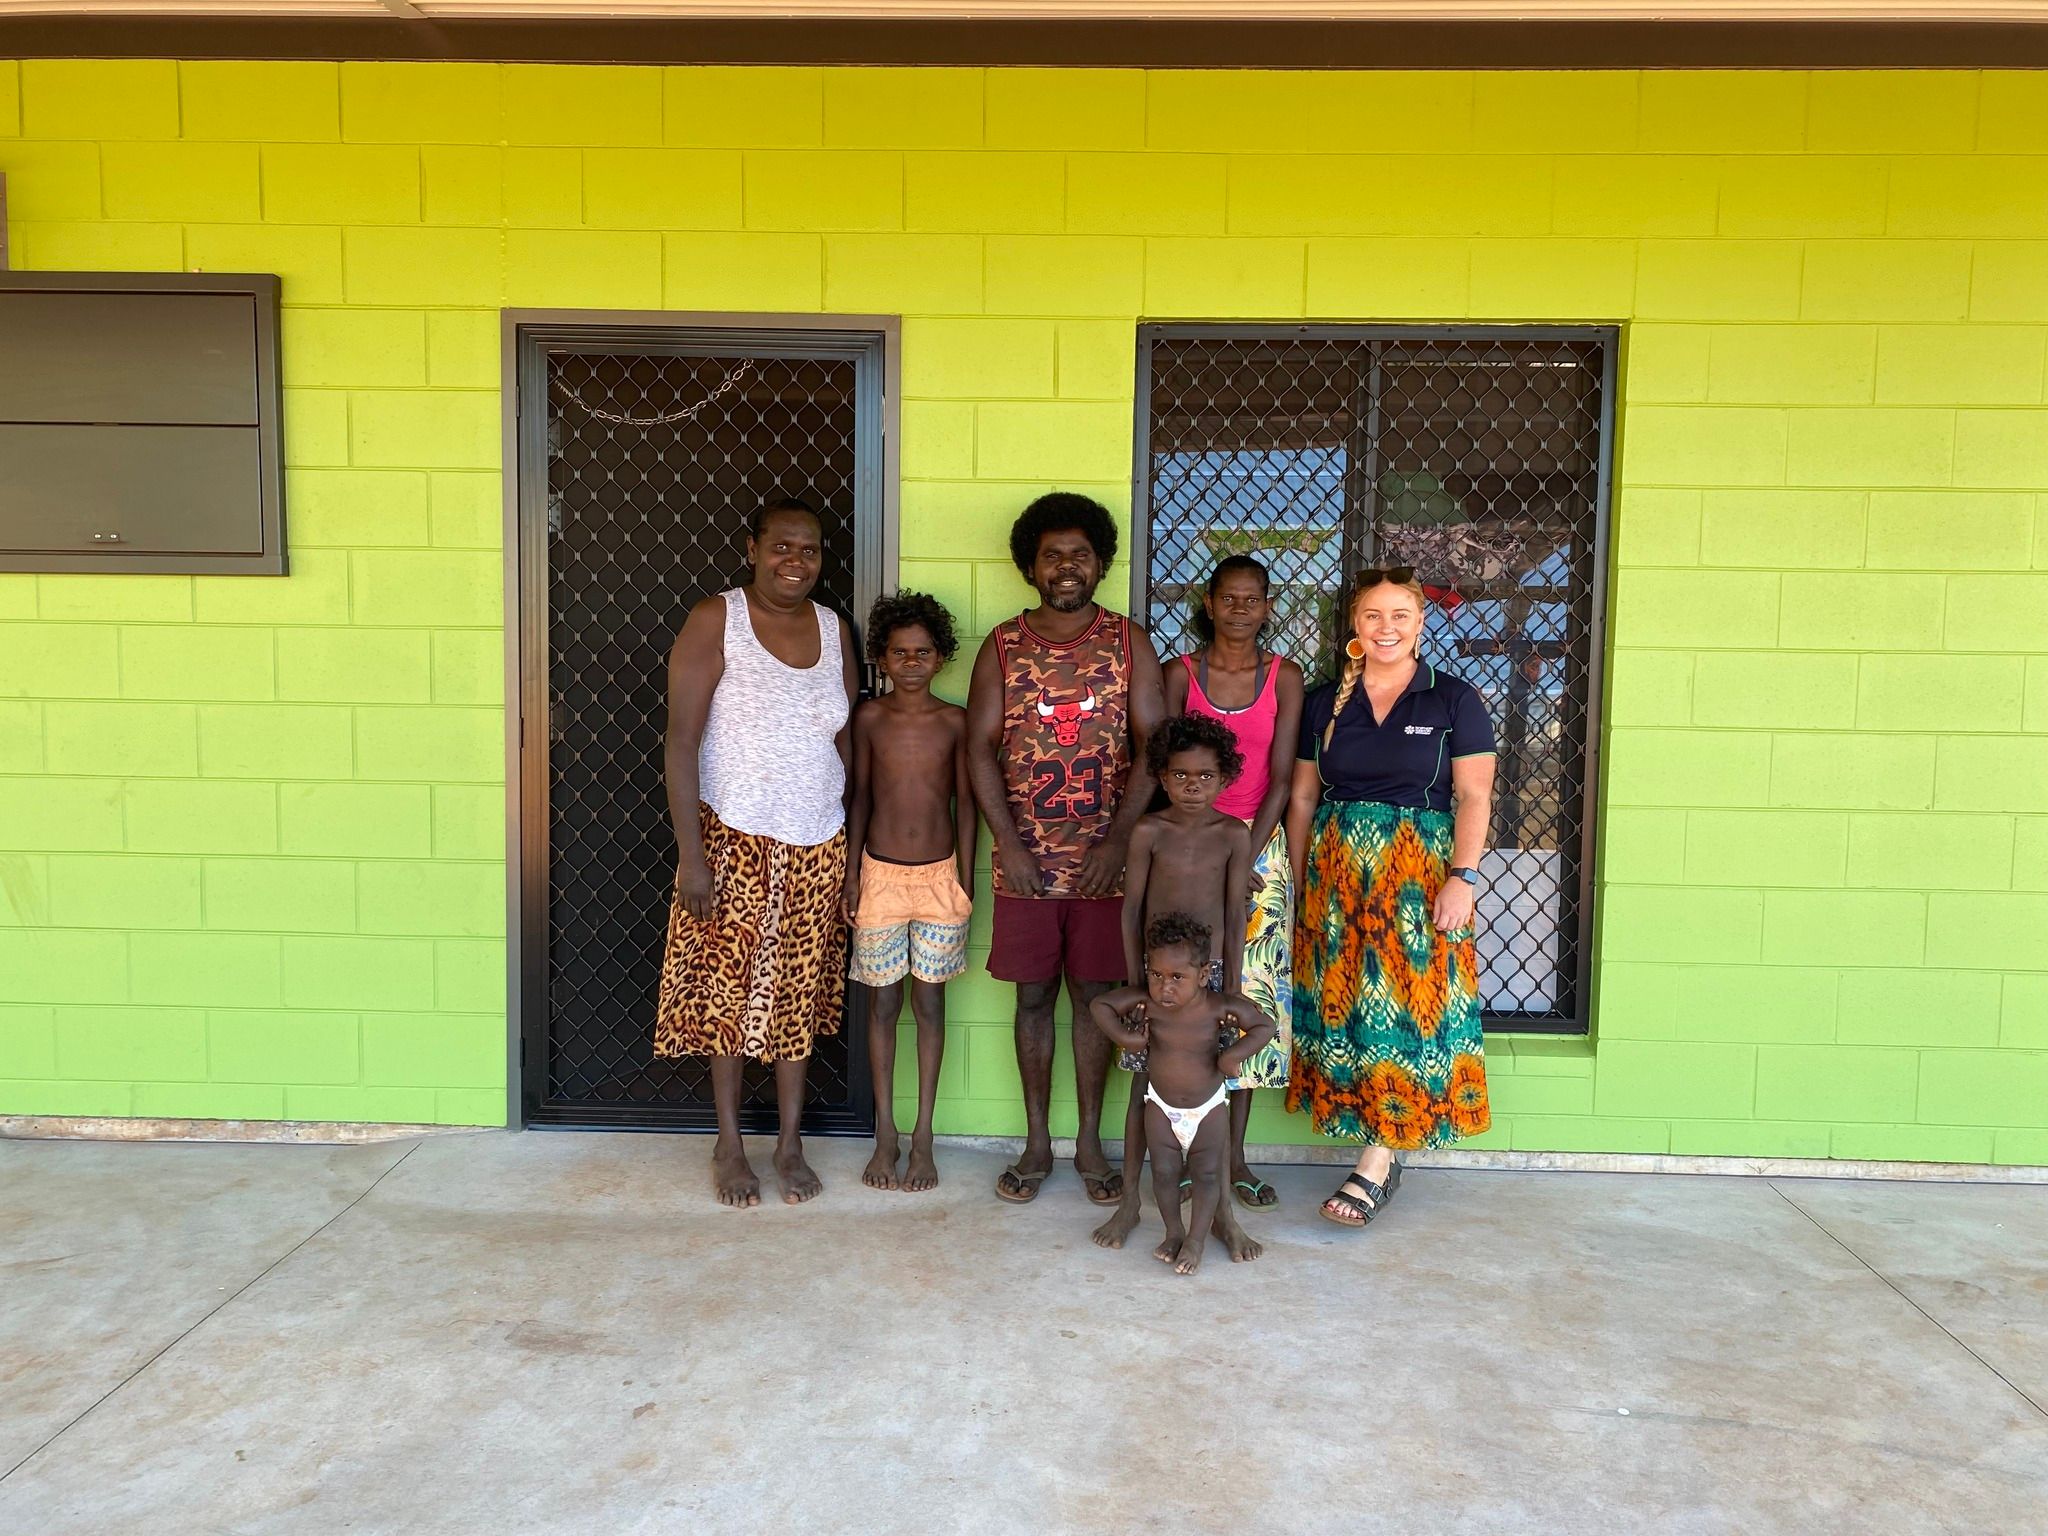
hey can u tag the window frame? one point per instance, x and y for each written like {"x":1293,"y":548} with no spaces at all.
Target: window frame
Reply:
{"x":1608,"y":338}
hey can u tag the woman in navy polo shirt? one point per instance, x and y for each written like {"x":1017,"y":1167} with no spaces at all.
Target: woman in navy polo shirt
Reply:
{"x":1393,"y":787}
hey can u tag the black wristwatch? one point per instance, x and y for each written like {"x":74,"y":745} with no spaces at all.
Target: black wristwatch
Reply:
{"x":1469,"y":876}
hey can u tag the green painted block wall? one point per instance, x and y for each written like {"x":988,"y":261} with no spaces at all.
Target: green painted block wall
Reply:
{"x":251,"y":849}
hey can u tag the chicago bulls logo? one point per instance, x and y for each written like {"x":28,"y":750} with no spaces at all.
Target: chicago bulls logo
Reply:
{"x":1065,"y":719}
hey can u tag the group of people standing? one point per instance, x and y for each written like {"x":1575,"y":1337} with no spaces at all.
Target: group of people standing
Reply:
{"x":1296,"y":916}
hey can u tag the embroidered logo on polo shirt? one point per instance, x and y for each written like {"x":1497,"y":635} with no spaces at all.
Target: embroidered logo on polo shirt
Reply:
{"x":1418,"y":730}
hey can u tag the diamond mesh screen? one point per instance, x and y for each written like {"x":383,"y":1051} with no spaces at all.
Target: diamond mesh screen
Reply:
{"x":655,"y":465}
{"x":1478,"y":460}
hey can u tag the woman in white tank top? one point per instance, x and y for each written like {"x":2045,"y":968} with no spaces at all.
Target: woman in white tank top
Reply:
{"x":761,"y":684}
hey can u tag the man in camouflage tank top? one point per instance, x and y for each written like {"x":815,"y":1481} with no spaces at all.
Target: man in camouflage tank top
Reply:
{"x":1062,"y":700}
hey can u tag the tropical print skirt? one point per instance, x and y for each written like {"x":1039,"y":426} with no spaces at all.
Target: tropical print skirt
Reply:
{"x":1269,"y":963}
{"x":1387,"y":1045}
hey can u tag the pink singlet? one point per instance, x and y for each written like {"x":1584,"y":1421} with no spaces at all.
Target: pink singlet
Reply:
{"x":1254,"y":727}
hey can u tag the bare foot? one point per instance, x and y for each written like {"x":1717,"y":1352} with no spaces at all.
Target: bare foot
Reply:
{"x":1168,"y":1250}
{"x":798,"y":1182}
{"x":1241,"y":1248}
{"x":920,"y":1173}
{"x":1113,"y":1232}
{"x":1190,"y":1257}
{"x":733,"y":1176}
{"x":880,"y":1172}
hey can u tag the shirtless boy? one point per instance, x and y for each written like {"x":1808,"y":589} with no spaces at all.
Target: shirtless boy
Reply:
{"x":1176,"y":1021}
{"x":910,"y":864}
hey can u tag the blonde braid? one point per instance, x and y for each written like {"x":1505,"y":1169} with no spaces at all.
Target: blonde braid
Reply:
{"x":1345,"y":688}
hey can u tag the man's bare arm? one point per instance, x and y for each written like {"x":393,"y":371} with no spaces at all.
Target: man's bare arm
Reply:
{"x":1017,"y":872}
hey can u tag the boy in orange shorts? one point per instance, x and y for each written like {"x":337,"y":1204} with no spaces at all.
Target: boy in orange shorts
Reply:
{"x":909,"y":864}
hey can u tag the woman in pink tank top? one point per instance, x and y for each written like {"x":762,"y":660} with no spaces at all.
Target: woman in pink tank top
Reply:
{"x":1258,"y":695}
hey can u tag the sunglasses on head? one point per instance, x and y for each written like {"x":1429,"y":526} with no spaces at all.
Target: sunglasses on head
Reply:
{"x":1399,"y":575}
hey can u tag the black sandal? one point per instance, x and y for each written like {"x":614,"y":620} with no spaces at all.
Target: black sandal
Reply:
{"x":1365,"y":1204}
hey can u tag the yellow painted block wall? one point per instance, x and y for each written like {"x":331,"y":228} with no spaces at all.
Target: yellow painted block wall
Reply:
{"x":1825,"y":895}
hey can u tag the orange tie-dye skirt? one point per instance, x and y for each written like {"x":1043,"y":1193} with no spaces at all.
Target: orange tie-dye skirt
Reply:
{"x":1387,"y":1043}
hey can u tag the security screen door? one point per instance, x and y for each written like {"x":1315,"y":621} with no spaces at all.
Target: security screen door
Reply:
{"x":643,"y":454}
{"x":1478,"y":455}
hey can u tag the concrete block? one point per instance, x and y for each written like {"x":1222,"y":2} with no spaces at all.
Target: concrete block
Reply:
{"x":424,"y":429}
{"x":2030,"y":854}
{"x":1792,"y":364}
{"x":465,"y":183}
{"x":1064,"y":440}
{"x":1738,"y":847}
{"x":271,"y":1047}
{"x":1704,"y":445}
{"x":1643,"y":845}
{"x":198,"y":816}
{"x":209,"y":1101}
{"x":316,"y":425}
{"x":358,"y":973}
{"x":1565,"y":111}
{"x":1761,"y":1004}
{"x":1677,"y":768}
{"x":469,"y":822}
{"x":1698,"y":609}
{"x":1983,"y":197}
{"x":273,"y":741}
{"x":1656,"y":526}
{"x":938,"y":439}
{"x":2001,"y":613}
{"x":973,"y":192}
{"x":205,"y":183}
{"x":1960,"y":364}
{"x":21,"y":738}
{"x":978,"y":359}
{"x":419,"y":103}
{"x":2004,"y":1089}
{"x":1379,"y":111}
{"x":1915,"y":1008}
{"x":1912,"y":1143}
{"x":204,"y":970}
{"x":1155,"y":194}
{"x":28,"y":1039}
{"x":804,"y":190}
{"x":293,"y":895}
{"x":903,"y":108}
{"x":892,"y":274}
{"x":10,"y":100}
{"x":2009,"y":280}
{"x":1064,"y":275}
{"x":341,"y":184}
{"x":1565,"y":280}
{"x":1779,"y":530}
{"x":582,"y":104}
{"x":724,"y":105}
{"x":1631,"y":196}
{"x":1886,"y":280}
{"x":1786,"y":691}
{"x":142,"y":599}
{"x":1872,"y":111}
{"x":98,"y":247}
{"x":2023,"y":1011}
{"x":2012,"y":112}
{"x":1949,"y":530}
{"x":349,"y":1104}
{"x":1835,"y":1082}
{"x":1239,"y":278}
{"x":1865,"y":771}
{"x":1988,"y":930}
{"x":1634,"y":1001}
{"x":350,"y":508}
{"x":1646,"y":922}
{"x":469,"y":975}
{"x":466,"y":509}
{"x":316,"y":592}
{"x":1649,"y":688}
{"x":254,"y":101}
{"x":1572,"y":1133}
{"x":62,"y":1098}
{"x":58,"y":965}
{"x":39,"y":813}
{"x":743,"y":271}
{"x":1861,"y":612}
{"x":1748,"y":1138}
{"x":128,"y":1043}
{"x":183,"y":662}
{"x":1871,"y":446}
{"x":77,"y":661}
{"x":1065,"y":108}
{"x":432,"y":743}
{"x":470,"y":1106}
{"x":1094,"y":360}
{"x":661,"y":189}
{"x":122,"y":891}
{"x":1844,"y":927}
{"x":424,"y":266}
{"x":99,"y":99}
{"x":583,"y":269}
{"x":1745,"y":280}
{"x":1722,"y":111}
{"x":422,"y":587}
{"x":53,"y":181}
{"x":1512,"y":1095}
{"x":1388,"y":279}
{"x":353,"y":347}
{"x":1940,"y":693}
{"x":1805,"y":196}
{"x":2001,"y":449}
{"x":439,"y":898}
{"x":353,"y":666}
{"x":1427,"y":196}
{"x":434,"y":1049}
{"x":1254,"y":112}
{"x":2020,"y":1146}
{"x":145,"y":740}
{"x":307,"y":259}
{"x":469,"y":666}
{"x":366,"y":821}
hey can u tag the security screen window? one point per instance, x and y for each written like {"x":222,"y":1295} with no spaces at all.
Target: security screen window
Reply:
{"x":1479,"y":456}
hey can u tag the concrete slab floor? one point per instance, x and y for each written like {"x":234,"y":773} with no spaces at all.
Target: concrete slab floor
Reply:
{"x":562,"y":1333}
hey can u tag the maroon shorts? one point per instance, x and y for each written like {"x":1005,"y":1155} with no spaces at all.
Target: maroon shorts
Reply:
{"x":1044,"y":938}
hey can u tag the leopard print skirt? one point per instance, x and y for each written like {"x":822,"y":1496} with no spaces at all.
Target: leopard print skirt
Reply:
{"x":767,"y":975}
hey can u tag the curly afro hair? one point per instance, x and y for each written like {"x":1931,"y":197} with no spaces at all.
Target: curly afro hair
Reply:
{"x":1183,"y":732}
{"x":901,"y":609}
{"x":1056,"y":512}
{"x":1177,"y":930}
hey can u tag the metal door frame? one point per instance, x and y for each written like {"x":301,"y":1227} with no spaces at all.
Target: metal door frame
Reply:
{"x":1607,"y":335}
{"x":874,"y":344}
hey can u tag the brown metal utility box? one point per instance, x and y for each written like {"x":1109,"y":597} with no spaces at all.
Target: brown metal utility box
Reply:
{"x":140,"y":423}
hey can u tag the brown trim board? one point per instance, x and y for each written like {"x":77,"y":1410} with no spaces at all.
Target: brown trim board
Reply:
{"x":1121,"y":43}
